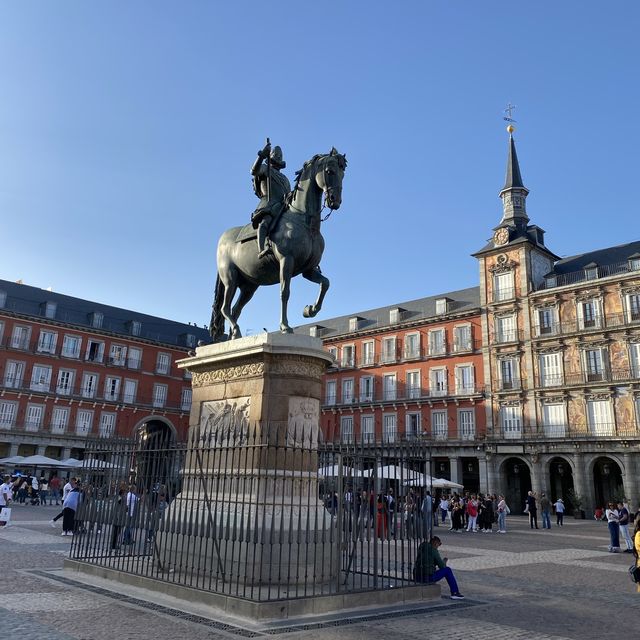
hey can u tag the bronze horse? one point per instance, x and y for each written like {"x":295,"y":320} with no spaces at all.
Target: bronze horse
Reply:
{"x":297,"y":247}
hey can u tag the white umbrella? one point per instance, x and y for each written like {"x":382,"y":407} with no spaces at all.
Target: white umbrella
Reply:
{"x":70,"y":462}
{"x":39,"y":461}
{"x":395,"y":472}
{"x":12,"y":460}
{"x":443,"y":483}
{"x":94,"y":463}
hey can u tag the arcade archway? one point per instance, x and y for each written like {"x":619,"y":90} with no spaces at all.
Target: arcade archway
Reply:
{"x":607,"y":481}
{"x":517,"y":483}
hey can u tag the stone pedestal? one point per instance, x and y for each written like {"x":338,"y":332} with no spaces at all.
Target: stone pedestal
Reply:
{"x":248,"y":513}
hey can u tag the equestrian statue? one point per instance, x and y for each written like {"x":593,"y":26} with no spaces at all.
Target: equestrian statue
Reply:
{"x":286,"y":228}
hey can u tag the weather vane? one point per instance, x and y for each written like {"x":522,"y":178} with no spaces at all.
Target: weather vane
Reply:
{"x":509,"y":112}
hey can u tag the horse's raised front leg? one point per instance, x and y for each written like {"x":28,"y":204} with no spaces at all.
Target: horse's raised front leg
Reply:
{"x":315,"y":275}
{"x":286,"y":271}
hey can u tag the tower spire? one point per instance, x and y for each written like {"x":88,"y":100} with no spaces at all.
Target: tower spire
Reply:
{"x":514,"y":193}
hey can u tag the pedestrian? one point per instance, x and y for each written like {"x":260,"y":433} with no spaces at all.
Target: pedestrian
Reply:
{"x":426,"y":509}
{"x":382,"y":518}
{"x":486,"y":515}
{"x":532,"y":509}
{"x":6,"y":495}
{"x":614,"y":529}
{"x":71,"y":484}
{"x":22,"y":491}
{"x":69,"y":507}
{"x":623,"y":524}
{"x":118,"y":515}
{"x":503,"y":512}
{"x":456,"y":516}
{"x":472,"y":512}
{"x":545,"y":507}
{"x":44,"y":491}
{"x":636,"y":545}
{"x":431,"y":567}
{"x":132,"y":512}
{"x":54,"y":490}
{"x":444,"y":508}
{"x":559,"y":507}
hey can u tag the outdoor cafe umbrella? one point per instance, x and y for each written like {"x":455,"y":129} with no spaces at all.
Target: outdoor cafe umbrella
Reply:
{"x":12,"y":460}
{"x":70,"y":462}
{"x":39,"y":461}
{"x":443,"y":483}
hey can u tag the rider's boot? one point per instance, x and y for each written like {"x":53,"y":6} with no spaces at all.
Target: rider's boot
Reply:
{"x":262,"y":239}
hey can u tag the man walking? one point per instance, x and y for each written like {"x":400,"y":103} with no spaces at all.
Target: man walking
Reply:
{"x":623,"y":523}
{"x":532,"y":509}
{"x":545,"y":505}
{"x":6,"y":496}
{"x":431,"y":567}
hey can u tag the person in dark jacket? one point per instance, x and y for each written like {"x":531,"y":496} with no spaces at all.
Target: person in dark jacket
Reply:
{"x":532,"y":508}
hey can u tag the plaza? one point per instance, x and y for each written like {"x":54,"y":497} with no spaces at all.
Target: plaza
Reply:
{"x":535,"y":584}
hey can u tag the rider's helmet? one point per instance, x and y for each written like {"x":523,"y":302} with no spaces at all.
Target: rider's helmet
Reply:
{"x":276,"y":158}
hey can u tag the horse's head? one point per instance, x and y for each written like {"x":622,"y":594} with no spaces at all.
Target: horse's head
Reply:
{"x":329,"y":172}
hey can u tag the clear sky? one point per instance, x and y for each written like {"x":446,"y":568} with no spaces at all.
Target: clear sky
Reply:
{"x":127,"y":131}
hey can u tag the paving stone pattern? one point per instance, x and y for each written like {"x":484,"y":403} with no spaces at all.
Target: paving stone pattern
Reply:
{"x":535,"y":585}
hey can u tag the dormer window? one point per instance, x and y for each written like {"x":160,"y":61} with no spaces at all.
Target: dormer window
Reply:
{"x":3,"y":299}
{"x":190,"y":340}
{"x":96,"y":318}
{"x":591,"y":271}
{"x":135,"y":327}
{"x":354,"y":323}
{"x":313,"y":331}
{"x":634,"y":263}
{"x":550,"y":282}
{"x":442,"y":305}
{"x":395,"y":315}
{"x":50,"y":309}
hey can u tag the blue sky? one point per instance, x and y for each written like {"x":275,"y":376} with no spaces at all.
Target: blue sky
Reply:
{"x":127,"y":131}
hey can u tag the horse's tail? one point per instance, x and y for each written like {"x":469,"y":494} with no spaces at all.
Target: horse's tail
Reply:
{"x":216,"y":326}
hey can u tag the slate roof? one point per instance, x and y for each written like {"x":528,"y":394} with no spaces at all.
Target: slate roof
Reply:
{"x":513,"y":179}
{"x":412,"y":311}
{"x":30,"y":301}
{"x":602,"y":257}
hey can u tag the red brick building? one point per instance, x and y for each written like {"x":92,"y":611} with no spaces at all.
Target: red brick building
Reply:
{"x":407,"y":371}
{"x":72,"y":369}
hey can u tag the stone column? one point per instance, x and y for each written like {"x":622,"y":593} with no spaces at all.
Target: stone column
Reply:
{"x":454,"y":465}
{"x":249,"y":508}
{"x":40,"y":449}
{"x":13,"y":449}
{"x":537,"y":481}
{"x":630,"y":479}
{"x":581,"y":484}
{"x":483,"y":471}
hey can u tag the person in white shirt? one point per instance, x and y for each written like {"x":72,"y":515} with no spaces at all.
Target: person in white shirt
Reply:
{"x":68,"y":488}
{"x":613,"y":518}
{"x":132,"y":507}
{"x":6,"y":494}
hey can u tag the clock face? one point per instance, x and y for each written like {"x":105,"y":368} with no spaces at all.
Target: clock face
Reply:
{"x":501,"y":236}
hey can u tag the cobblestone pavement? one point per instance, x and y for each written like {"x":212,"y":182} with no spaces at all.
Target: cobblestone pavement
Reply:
{"x":535,"y":585}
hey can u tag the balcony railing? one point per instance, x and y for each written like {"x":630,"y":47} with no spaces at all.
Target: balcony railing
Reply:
{"x":567,"y":432}
{"x":608,"y":321}
{"x":586,"y":275}
{"x":405,"y":393}
{"x":506,"y":336}
{"x":504,"y":294}
{"x":581,"y":378}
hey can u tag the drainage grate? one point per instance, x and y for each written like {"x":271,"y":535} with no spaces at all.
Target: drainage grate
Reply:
{"x":247,"y":633}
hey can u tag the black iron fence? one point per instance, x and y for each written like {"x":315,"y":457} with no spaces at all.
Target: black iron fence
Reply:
{"x":263,"y":513}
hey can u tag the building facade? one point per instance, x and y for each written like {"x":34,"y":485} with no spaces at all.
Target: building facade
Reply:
{"x":406,"y":372}
{"x":562,"y":358}
{"x":71,"y":369}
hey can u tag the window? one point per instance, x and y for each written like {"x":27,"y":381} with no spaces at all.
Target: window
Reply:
{"x":395,"y":315}
{"x":366,"y":389}
{"x":466,"y":424}
{"x":129,"y":392}
{"x":550,"y":369}
{"x":553,"y":420}
{"x":412,"y":345}
{"x":600,"y":418}
{"x":508,"y":378}
{"x":190,"y":340}
{"x":135,"y":358}
{"x":20,"y":337}
{"x":346,"y":429}
{"x":64,"y":385}
{"x":13,"y":374}
{"x":353,"y":323}
{"x":367,"y":430}
{"x":71,"y":346}
{"x":511,"y":421}
{"x":462,"y":338}
{"x":3,"y":299}
{"x":96,"y":319}
{"x":347,"y":391}
{"x":330,"y":397}
{"x":348,"y":356}
{"x":95,"y":351}
{"x":591,"y":272}
{"x":50,"y":309}
{"x":40,"y":378}
{"x":333,"y":352}
{"x":33,"y":418}
{"x":47,"y":341}
{"x":135,"y":327}
{"x":111,"y":388}
{"x":367,"y":353}
{"x":546,"y":321}
{"x":314,"y":331}
{"x":589,"y":316}
{"x":389,"y":386}
{"x":413,"y":384}
{"x":412,"y":425}
{"x":633,"y":307}
{"x":388,"y":350}
{"x":441,"y":306}
{"x":84,"y":420}
{"x":59,"y":420}
{"x":634,"y":358}
{"x":1,"y":329}
{"x":389,"y":427}
{"x":439,"y":425}
{"x":550,"y":282}
{"x":594,"y":365}
{"x":89,"y":385}
{"x":163,"y":363}
{"x":506,"y":328}
{"x":465,"y":380}
{"x":503,"y":286}
{"x":107,"y":425}
{"x":118,"y":355}
{"x":438,"y":382}
{"x":634,"y":263}
{"x":8,"y":412}
{"x":437,"y":345}
{"x":185,"y":400}
{"x":159,"y":395}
